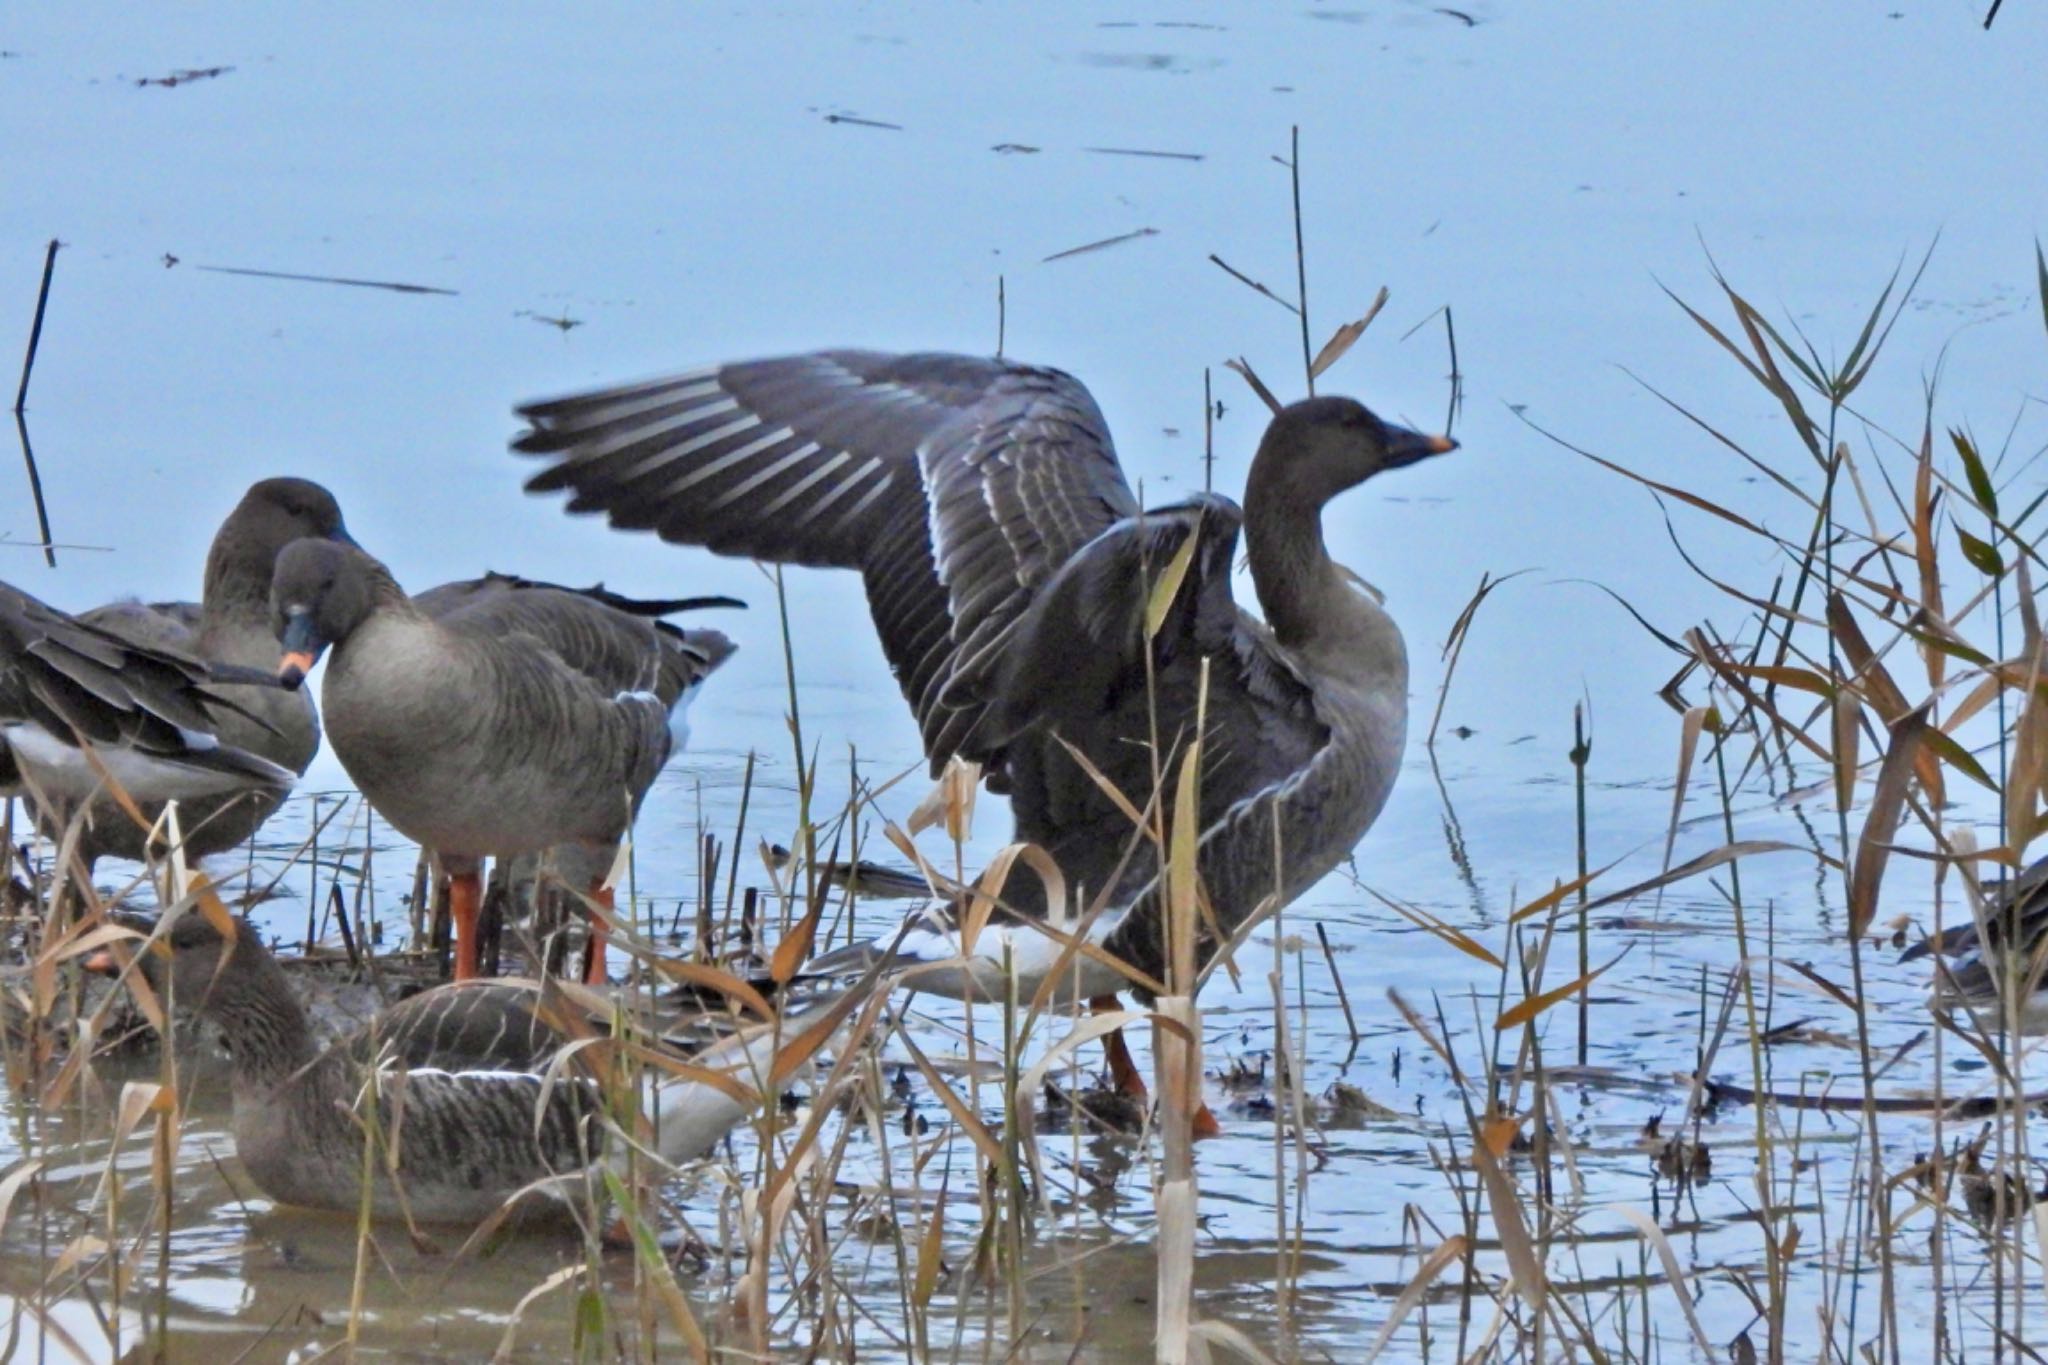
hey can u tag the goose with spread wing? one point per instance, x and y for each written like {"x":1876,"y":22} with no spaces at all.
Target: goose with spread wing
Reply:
{"x":499,"y":717}
{"x":1009,"y":572}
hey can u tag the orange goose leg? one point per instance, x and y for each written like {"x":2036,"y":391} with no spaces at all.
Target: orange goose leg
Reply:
{"x":465,"y":903}
{"x":600,"y":931}
{"x":1124,"y":1074}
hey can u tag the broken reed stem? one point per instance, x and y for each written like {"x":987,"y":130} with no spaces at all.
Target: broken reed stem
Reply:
{"x":1308,"y":355}
{"x":1208,"y":434}
{"x":1177,"y":1059}
{"x":1337,"y":980}
{"x":35,"y":328}
{"x":1582,"y":750}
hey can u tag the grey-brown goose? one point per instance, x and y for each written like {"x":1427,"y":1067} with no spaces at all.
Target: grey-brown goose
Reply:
{"x":146,"y":714}
{"x":230,"y":624}
{"x":2006,"y":948}
{"x":1008,"y":570}
{"x":460,"y":1075}
{"x":511,"y":718}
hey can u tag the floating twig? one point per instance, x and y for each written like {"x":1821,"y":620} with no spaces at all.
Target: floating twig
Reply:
{"x":183,"y":76}
{"x":394,"y":286}
{"x":863,"y":122}
{"x":1141,"y":151}
{"x":1097,"y":246}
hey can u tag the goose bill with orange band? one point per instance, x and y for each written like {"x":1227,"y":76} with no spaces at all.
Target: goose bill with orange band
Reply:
{"x":302,"y":648}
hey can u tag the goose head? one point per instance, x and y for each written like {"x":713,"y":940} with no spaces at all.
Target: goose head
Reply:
{"x":1319,"y":447}
{"x":322,"y":590}
{"x":270,"y":516}
{"x":201,"y":967}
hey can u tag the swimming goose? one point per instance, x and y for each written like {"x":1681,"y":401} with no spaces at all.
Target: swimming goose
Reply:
{"x":1008,"y":570}
{"x":460,"y":1079}
{"x":508,"y":718}
{"x":77,"y":701}
{"x":229,"y":625}
{"x":2014,"y":950}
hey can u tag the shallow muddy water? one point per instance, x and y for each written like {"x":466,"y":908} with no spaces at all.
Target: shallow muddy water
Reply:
{"x":593,"y":194}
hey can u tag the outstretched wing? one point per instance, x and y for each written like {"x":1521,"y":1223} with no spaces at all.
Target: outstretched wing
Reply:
{"x":956,"y":485}
{"x":62,"y":679}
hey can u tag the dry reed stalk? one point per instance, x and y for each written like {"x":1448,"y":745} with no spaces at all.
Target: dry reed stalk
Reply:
{"x":1177,"y":1060}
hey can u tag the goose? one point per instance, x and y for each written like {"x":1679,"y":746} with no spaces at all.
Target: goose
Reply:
{"x":230,"y":624}
{"x":81,"y":705}
{"x":465,"y":1079}
{"x":511,"y":717}
{"x":2009,"y":944}
{"x":542,"y":882}
{"x":1009,"y":571}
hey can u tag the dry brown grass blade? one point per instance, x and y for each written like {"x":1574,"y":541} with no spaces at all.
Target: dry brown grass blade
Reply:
{"x":970,"y":1123}
{"x":796,"y":1051}
{"x":1166,"y":586}
{"x":11,"y":1185}
{"x":656,"y":1271}
{"x":1713,"y":858}
{"x":1690,"y":499}
{"x":1549,"y":899}
{"x":1674,"y":1273}
{"x":1926,"y":549}
{"x":1447,"y":1254}
{"x":795,"y":948}
{"x":1887,"y":805}
{"x":1345,"y":337}
{"x":2027,"y":776}
{"x":949,"y":802}
{"x":1107,"y":787}
{"x":1524,"y":1011}
{"x":1426,"y":1033}
{"x":931,"y":1244}
{"x":1875,"y":682}
{"x":1730,"y":671}
{"x":1511,"y":1226}
{"x":1847,"y":714}
{"x":1454,"y":643}
{"x":1083,"y":1033}
{"x":1214,"y":1332}
{"x":1690,"y":725}
{"x":703,"y":976}
{"x":1449,"y":933}
{"x":1245,"y":371}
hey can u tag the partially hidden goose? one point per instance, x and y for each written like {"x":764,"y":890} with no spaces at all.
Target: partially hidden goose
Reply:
{"x":80,"y":705}
{"x":465,"y":1082}
{"x":501,"y":717}
{"x":230,"y":624}
{"x":1009,"y":571}
{"x":2004,"y":952}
